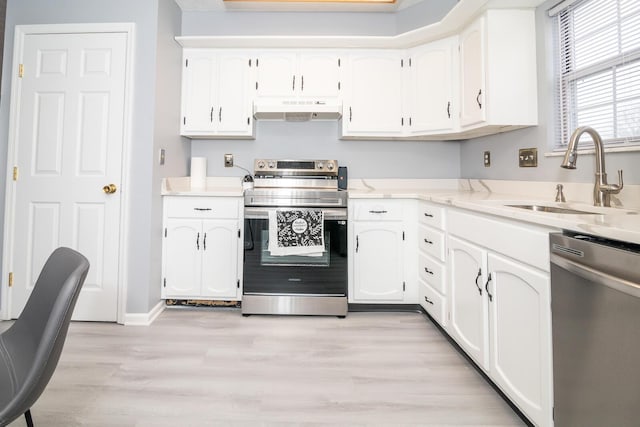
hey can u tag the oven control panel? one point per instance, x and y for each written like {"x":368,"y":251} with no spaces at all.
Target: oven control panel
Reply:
{"x":295,"y":167}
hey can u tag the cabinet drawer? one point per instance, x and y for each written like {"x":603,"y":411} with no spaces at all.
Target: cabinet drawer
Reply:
{"x":202,"y":207}
{"x":431,"y":241}
{"x":433,"y":303}
{"x":432,"y":272}
{"x":432,"y":215}
{"x":378,"y":211}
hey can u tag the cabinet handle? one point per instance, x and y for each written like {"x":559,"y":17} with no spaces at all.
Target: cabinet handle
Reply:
{"x":428,"y":241}
{"x":401,"y":121}
{"x":198,"y":241}
{"x":201,"y":209}
{"x":301,"y":83}
{"x":350,"y":114}
{"x":426,"y":270}
{"x":293,"y":84}
{"x":477,"y":277}
{"x":449,"y":109}
{"x":211,"y":115}
{"x":204,"y":242}
{"x":428,"y":300}
{"x":220,"y":115}
{"x":428,"y":215}
{"x":486,"y":287}
{"x":377,"y":212}
{"x":478,"y":99}
{"x":357,"y":244}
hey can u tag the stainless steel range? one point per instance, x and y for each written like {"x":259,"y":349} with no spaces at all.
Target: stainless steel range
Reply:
{"x":295,"y":245}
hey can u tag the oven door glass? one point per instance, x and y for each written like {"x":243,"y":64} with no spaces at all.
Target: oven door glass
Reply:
{"x":295,"y":274}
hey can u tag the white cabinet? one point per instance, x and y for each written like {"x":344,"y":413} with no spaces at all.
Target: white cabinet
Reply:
{"x":376,"y":261}
{"x":373,"y":101}
{"x":201,"y":248}
{"x":216,"y":100}
{"x":292,"y":74}
{"x":498,"y":75}
{"x":431,"y":95}
{"x":431,"y":261}
{"x":500,"y":305}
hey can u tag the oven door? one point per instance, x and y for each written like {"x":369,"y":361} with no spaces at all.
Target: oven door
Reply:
{"x":265,"y":274}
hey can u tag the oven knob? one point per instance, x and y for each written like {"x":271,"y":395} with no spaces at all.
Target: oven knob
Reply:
{"x":261,"y":164}
{"x":319,"y":165}
{"x":272,"y":165}
{"x":330,"y":166}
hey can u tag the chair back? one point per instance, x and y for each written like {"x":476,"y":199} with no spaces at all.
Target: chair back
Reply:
{"x":31,"y":347}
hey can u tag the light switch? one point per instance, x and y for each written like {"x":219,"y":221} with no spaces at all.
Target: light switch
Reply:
{"x":528,"y":157}
{"x":161,"y":157}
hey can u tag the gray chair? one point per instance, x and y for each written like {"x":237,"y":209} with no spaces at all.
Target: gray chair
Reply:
{"x":31,"y":347}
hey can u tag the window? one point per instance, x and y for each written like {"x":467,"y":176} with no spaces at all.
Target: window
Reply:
{"x":598,"y":70}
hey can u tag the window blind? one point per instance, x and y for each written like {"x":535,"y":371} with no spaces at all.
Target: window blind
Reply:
{"x":598,"y":70}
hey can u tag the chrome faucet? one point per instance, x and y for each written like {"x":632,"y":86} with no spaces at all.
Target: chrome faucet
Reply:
{"x":601,"y":190}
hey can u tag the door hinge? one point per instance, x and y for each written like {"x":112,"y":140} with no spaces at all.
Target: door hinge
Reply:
{"x":164,"y":282}
{"x":249,"y":62}
{"x":165,"y":232}
{"x":186,"y":62}
{"x":11,"y":279}
{"x":402,"y":63}
{"x":409,"y":62}
{"x":238,"y":233}
{"x":238,"y":283}
{"x":256,"y":85}
{"x":338,"y":85}
{"x":257,"y":63}
{"x":404,"y":286}
{"x":20,"y":70}
{"x":184,"y":120}
{"x":15,"y":173}
{"x":403,"y":235}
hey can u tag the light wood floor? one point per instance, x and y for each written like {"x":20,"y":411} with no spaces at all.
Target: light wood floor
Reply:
{"x":204,"y":367}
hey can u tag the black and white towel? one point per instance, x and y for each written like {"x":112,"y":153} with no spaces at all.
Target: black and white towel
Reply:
{"x":296,"y":232}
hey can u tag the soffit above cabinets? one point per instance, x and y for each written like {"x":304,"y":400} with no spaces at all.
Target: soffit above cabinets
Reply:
{"x":296,"y":6}
{"x":461,"y":14}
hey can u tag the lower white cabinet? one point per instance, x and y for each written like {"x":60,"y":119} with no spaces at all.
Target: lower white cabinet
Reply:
{"x":201,"y":248}
{"x":377,"y":256}
{"x":500,"y":310}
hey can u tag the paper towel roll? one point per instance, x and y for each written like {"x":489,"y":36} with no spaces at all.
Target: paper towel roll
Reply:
{"x":198,"y":173}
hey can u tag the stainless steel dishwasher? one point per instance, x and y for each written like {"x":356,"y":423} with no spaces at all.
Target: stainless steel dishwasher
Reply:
{"x":595,"y":306}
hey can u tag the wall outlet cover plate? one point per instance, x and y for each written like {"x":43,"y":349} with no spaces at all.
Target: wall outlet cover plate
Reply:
{"x":528,"y":157}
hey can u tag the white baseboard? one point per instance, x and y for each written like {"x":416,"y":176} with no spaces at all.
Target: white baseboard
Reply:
{"x":144,"y":319}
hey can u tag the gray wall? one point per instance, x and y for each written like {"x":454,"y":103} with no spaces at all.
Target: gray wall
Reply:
{"x":308,"y":140}
{"x":144,"y":14}
{"x":165,"y":136}
{"x":504,"y":147}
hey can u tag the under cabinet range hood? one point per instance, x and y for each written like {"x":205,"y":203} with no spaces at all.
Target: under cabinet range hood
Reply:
{"x":297,"y":110}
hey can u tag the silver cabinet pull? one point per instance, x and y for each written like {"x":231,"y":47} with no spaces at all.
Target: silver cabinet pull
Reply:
{"x":486,"y":288}
{"x":428,"y":300}
{"x":377,"y":212}
{"x":198,"y":241}
{"x":478,"y":99}
{"x":428,"y":215}
{"x":202,"y":209}
{"x":477,"y":277}
{"x":426,"y":270}
{"x":428,"y":241}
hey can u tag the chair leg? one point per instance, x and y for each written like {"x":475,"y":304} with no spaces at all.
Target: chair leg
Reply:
{"x":27,"y":417}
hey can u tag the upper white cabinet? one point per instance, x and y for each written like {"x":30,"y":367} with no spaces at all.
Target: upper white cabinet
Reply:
{"x":310,"y":74}
{"x":216,"y":99}
{"x":373,"y":102}
{"x":498,"y":75}
{"x":431,"y":93}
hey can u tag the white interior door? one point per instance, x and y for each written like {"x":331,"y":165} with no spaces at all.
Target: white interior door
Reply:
{"x":68,"y":144}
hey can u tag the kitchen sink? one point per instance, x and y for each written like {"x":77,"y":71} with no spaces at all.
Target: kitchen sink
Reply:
{"x":554,"y":209}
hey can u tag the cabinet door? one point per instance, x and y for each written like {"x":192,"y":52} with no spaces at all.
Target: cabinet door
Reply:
{"x":520,"y":335}
{"x":181,"y":262}
{"x":276,"y":75}
{"x":432,"y":103}
{"x":232,"y":111}
{"x":198,"y":89}
{"x":374,"y":95}
{"x":319,"y":75}
{"x":468,"y":312}
{"x":472,"y":65}
{"x":378,"y":262}
{"x":219,"y":251}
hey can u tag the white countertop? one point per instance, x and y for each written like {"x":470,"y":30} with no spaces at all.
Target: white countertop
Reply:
{"x":489,"y":197}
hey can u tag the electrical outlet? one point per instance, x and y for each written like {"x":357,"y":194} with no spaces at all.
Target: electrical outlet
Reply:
{"x":228,"y":160}
{"x":487,"y":159}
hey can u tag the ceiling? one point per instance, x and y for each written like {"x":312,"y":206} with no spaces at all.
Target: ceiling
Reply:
{"x":292,"y":6}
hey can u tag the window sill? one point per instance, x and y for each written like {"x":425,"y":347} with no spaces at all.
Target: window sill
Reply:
{"x":591,"y":150}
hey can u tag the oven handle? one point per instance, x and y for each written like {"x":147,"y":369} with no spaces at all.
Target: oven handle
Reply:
{"x":263,"y":213}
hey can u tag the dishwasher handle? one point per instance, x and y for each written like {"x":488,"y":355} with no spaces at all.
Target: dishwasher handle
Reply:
{"x":595,"y":276}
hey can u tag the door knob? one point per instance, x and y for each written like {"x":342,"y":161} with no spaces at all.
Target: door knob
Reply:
{"x":109,"y":189}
